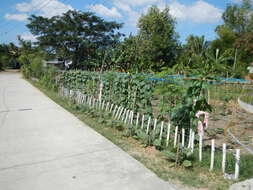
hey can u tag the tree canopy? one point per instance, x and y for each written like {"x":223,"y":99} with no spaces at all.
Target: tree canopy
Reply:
{"x":74,"y":35}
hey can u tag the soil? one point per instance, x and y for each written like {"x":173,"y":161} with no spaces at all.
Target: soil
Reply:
{"x":230,"y":116}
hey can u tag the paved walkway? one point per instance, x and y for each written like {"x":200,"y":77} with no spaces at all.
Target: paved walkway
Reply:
{"x":44,"y":147}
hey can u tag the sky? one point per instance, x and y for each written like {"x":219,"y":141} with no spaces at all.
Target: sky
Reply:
{"x":197,"y":17}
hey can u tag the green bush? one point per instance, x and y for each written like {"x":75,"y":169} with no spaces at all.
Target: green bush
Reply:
{"x":48,"y":78}
{"x":26,"y":71}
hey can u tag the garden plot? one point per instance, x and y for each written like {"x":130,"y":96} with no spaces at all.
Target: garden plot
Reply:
{"x":162,"y":114}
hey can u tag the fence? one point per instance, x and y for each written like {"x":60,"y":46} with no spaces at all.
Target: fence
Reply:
{"x":167,"y":134}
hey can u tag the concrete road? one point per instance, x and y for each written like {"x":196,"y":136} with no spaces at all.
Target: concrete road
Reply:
{"x":44,"y":147}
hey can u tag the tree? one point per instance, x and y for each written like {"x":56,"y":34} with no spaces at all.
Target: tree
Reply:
{"x":234,"y":36}
{"x":157,"y":38}
{"x":75,"y":34}
{"x":239,"y":18}
{"x":196,"y":45}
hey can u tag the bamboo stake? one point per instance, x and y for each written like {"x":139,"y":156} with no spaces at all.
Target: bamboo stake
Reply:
{"x":100,"y":104}
{"x":161,"y":131}
{"x":90,"y":101}
{"x":107,"y":106}
{"x":190,"y":139}
{"x":114,"y":111}
{"x":93,"y":102}
{"x":142,"y":121}
{"x":112,"y":105}
{"x":175,"y":137}
{"x":237,"y":163}
{"x":117,"y":113}
{"x":200,"y":147}
{"x":224,"y":152}
{"x":149,"y":119}
{"x":132,"y":118}
{"x":122,"y":109}
{"x":168,"y":135}
{"x":129,"y":117}
{"x":103,"y":105}
{"x":123,"y":115}
{"x":137,"y":119}
{"x":127,"y":113}
{"x":192,"y":143}
{"x":212,"y":155}
{"x":183,"y":137}
{"x":155,"y":123}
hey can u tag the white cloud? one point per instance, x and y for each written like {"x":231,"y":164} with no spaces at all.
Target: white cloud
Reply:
{"x":104,"y":11}
{"x":16,"y":17}
{"x":237,"y":1}
{"x":122,"y":6}
{"x":28,"y":37}
{"x":44,"y":8}
{"x":137,"y":2}
{"x":199,"y":12}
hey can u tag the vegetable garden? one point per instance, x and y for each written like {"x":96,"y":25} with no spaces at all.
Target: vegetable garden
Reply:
{"x":158,"y":112}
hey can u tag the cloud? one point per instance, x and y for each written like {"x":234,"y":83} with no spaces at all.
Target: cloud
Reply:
{"x":45,"y":8}
{"x":104,"y":11}
{"x":137,"y":2}
{"x":28,"y":37}
{"x":199,"y":12}
{"x":16,"y":17}
{"x":236,"y":1}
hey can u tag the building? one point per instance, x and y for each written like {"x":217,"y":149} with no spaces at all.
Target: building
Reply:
{"x":58,"y":63}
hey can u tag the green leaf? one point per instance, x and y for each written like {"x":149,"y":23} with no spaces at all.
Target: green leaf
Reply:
{"x":187,"y":163}
{"x":170,"y":155}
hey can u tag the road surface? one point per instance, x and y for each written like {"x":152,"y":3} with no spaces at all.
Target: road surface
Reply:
{"x":44,"y":147}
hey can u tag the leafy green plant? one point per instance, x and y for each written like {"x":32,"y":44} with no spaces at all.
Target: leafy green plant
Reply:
{"x":183,"y":157}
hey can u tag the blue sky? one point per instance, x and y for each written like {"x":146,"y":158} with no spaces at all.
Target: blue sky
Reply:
{"x":198,"y":17}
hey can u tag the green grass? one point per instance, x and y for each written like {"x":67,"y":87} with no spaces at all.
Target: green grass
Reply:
{"x":198,"y":176}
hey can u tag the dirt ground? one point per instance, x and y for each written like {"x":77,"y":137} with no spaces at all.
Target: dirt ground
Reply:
{"x":229,"y":116}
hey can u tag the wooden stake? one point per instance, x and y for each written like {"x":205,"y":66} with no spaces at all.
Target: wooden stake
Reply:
{"x":114,"y":111}
{"x":103,"y":105}
{"x":94,"y":103}
{"x":155,"y":123}
{"x":132,"y":118}
{"x":224,"y":152}
{"x":127,"y":113}
{"x":123,"y":115}
{"x":183,"y":137}
{"x":200,"y":147}
{"x":122,"y":108}
{"x":137,"y":119}
{"x":128,"y":117}
{"x":190,"y":139}
{"x":111,"y":107}
{"x":175,"y":137}
{"x":237,"y":163}
{"x":212,"y":155}
{"x":142,"y":121}
{"x":168,"y":135}
{"x":192,"y":143}
{"x":149,"y":119}
{"x":107,"y":106}
{"x":161,"y":131}
{"x":117,"y":113}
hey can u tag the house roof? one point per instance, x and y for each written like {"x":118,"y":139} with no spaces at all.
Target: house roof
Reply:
{"x":54,"y":62}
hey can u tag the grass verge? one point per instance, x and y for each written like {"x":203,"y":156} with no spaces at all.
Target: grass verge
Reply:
{"x":197,"y":177}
